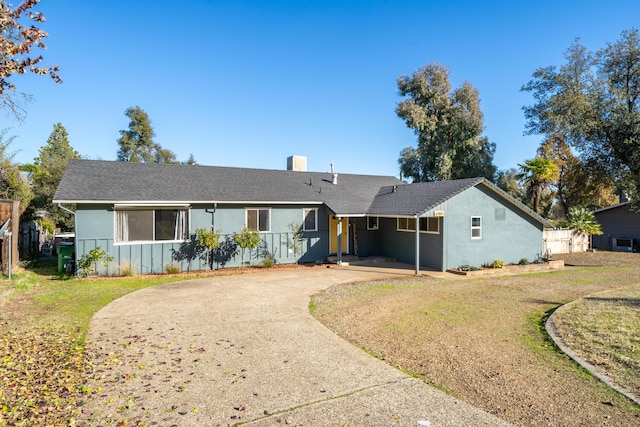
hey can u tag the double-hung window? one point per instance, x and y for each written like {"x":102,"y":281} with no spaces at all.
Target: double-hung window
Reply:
{"x":151,"y":225}
{"x":310,"y":219}
{"x":258,"y":219}
{"x":476,"y":227}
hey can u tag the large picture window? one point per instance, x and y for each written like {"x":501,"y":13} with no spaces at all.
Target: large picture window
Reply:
{"x":259,"y":219}
{"x":150,"y":225}
{"x":310,"y":222}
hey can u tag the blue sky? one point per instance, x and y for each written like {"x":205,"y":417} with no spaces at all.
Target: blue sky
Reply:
{"x":249,"y":83}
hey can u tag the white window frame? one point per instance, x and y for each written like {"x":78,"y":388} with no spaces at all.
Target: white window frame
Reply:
{"x":375,"y":226}
{"x":477,"y":228}
{"x":246,"y":219}
{"x":305,"y":211}
{"x":119,"y":212}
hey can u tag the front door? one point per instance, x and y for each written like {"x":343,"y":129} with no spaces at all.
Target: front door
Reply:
{"x":333,"y":235}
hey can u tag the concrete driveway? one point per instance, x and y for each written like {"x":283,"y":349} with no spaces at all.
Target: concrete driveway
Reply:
{"x":243,"y":349}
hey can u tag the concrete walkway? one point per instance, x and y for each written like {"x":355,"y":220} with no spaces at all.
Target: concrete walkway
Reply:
{"x":243,"y":349}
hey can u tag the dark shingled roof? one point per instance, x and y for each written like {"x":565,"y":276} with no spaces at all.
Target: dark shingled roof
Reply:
{"x":420,"y":197}
{"x":96,"y":181}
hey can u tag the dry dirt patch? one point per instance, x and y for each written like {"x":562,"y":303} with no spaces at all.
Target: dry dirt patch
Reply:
{"x":482,"y":340}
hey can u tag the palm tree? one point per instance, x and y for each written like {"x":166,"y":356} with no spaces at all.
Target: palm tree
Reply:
{"x":582,"y":220}
{"x":536,"y":175}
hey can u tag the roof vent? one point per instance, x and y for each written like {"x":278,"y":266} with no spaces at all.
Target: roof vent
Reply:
{"x":334,"y":176}
{"x":297,"y":163}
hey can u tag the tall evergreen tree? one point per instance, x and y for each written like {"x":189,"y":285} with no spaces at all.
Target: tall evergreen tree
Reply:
{"x":48,"y":169}
{"x":449,"y":126}
{"x":137,"y":143}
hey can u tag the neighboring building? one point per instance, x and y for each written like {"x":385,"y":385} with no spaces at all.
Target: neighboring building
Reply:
{"x":620,"y":227}
{"x":145,"y":216}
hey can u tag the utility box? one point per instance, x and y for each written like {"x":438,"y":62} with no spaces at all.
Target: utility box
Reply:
{"x":65,"y":251}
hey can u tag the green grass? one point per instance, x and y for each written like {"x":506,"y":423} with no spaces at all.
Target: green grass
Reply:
{"x":64,"y":301}
{"x":43,"y":328}
{"x":603,"y":330}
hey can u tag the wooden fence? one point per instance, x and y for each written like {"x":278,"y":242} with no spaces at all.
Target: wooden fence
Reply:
{"x":9,"y":210}
{"x":562,"y":241}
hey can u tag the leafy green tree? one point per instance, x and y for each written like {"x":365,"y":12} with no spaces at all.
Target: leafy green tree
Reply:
{"x":594,"y":101}
{"x":577,"y":184}
{"x":208,"y":240}
{"x":190,"y":161}
{"x":507,"y":180}
{"x":48,"y":169}
{"x":19,"y":34}
{"x":247,"y":239}
{"x":448,"y":125}
{"x":137,"y":143}
{"x":162,"y":155}
{"x":13,"y":183}
{"x":536,"y":175}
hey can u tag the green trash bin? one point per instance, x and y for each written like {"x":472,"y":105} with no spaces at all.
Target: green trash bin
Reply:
{"x":65,"y":252}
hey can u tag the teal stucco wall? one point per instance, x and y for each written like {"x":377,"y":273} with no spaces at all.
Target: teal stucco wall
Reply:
{"x":508,"y":233}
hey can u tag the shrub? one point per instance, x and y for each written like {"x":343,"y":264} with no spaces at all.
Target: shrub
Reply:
{"x":247,"y":239}
{"x":208,"y":240}
{"x":497,"y":263}
{"x":268,"y":262}
{"x":468,"y":268}
{"x":172,"y":269}
{"x":126,"y":269}
{"x":523,"y":261}
{"x":87,"y":262}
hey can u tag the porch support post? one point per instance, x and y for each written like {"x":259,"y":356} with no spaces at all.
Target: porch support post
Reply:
{"x":339,"y":228}
{"x":417,"y":246}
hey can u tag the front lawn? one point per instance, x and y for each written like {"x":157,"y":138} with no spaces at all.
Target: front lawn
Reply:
{"x":483,"y":339}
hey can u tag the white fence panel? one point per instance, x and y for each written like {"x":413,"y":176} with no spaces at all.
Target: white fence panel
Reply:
{"x":562,"y":241}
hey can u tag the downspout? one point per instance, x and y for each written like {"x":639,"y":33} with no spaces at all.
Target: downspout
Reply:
{"x":75,"y":252}
{"x":213,"y":228}
{"x":417,"y":246}
{"x":339,"y":228}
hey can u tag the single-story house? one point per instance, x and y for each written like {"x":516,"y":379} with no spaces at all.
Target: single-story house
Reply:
{"x":146,"y":215}
{"x":620,"y":225}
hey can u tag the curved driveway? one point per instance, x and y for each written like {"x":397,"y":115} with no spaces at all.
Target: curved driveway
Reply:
{"x":244,"y":349}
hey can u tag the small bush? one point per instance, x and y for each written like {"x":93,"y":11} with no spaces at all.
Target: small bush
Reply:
{"x":523,"y":261}
{"x":126,"y":269}
{"x":468,"y":268}
{"x":268,"y":262}
{"x":172,"y":269}
{"x":497,"y":263}
{"x":87,"y":262}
